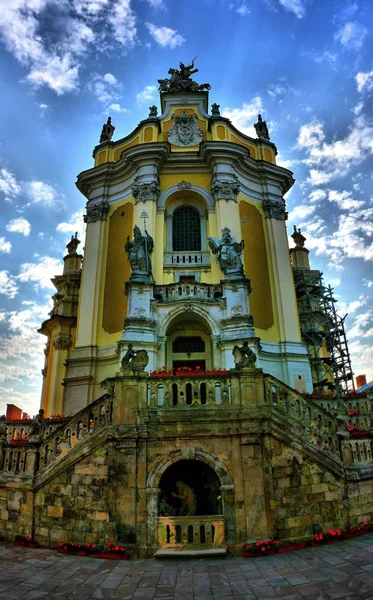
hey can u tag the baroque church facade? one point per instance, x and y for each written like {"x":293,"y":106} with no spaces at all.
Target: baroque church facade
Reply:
{"x":202,"y":413}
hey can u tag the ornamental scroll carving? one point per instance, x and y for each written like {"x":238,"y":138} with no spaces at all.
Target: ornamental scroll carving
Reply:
{"x":146,"y":191}
{"x":184,"y":185}
{"x":96,"y":212}
{"x":62,"y":342}
{"x":275,"y":210}
{"x":228,"y":190}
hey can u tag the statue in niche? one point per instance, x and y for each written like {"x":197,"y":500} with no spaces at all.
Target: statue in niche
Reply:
{"x":134,"y":360}
{"x":37,"y":426}
{"x":3,"y":428}
{"x":188,"y":499}
{"x":244,"y":357}
{"x":139,"y":250}
{"x":228,"y":252}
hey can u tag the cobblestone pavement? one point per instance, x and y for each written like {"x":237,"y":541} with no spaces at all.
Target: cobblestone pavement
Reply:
{"x":343,"y":570}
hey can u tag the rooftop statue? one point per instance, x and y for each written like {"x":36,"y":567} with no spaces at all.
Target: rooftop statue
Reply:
{"x":107,"y":132}
{"x":180,"y":80}
{"x":228,"y":253}
{"x":298,"y":238}
{"x":261,"y":128}
{"x":37,"y":426}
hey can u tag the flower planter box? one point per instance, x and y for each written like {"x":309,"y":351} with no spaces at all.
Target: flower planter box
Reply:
{"x":78,"y":553}
{"x":18,"y":442}
{"x":292,"y":548}
{"x":333,"y":540}
{"x":161,"y":375}
{"x":112,"y":555}
{"x":189,"y":373}
{"x":256,"y":554}
{"x":27,"y":544}
{"x":359,"y":434}
{"x":217,"y":372}
{"x":315,"y":544}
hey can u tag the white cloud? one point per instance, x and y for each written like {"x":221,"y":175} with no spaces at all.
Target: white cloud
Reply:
{"x":56,"y":63}
{"x":344,"y":200}
{"x":8,"y":184}
{"x":75,"y":224}
{"x":352,"y":35}
{"x":364,"y":81}
{"x":20,"y":225}
{"x":8,"y":285}
{"x":147,"y":94}
{"x":368,"y":283}
{"x":295,"y":6}
{"x":156,"y":3}
{"x":40,"y":272}
{"x":117,"y":108}
{"x":243,"y":10}
{"x":317,"y":195}
{"x":330,"y":160}
{"x":42,"y":193}
{"x":106,"y":88}
{"x":5,"y":247}
{"x":300,"y":212}
{"x":164,"y":36}
{"x":21,"y":354}
{"x":123,"y":21}
{"x":243,"y":118}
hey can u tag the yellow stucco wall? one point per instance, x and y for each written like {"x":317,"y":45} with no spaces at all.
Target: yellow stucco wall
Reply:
{"x":256,"y":266}
{"x":117,"y":269}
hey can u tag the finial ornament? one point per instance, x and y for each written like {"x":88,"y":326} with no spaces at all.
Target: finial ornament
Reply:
{"x":298,"y":238}
{"x":107,"y":132}
{"x":180,"y":80}
{"x":73,"y":244}
{"x":215,"y":110}
{"x":153,"y":111}
{"x":261,"y":129}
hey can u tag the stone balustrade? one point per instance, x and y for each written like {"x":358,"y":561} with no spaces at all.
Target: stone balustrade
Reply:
{"x":19,"y":430}
{"x":189,"y":391}
{"x":306,"y":419}
{"x":357,"y":452}
{"x":187,"y":291}
{"x":191,"y":533}
{"x":36,"y":455}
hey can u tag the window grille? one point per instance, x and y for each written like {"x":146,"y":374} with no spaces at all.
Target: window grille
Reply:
{"x":188,"y":345}
{"x":186,"y":231}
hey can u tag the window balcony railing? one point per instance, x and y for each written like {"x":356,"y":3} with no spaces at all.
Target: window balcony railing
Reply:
{"x":191,"y":259}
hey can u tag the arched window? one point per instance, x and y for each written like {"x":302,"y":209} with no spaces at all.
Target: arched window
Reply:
{"x":186,"y":229}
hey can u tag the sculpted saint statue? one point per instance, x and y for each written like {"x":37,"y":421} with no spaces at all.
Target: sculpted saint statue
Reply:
{"x":138,"y":251}
{"x":244,"y":357}
{"x":188,"y":499}
{"x":228,"y":252}
{"x":37,"y":425}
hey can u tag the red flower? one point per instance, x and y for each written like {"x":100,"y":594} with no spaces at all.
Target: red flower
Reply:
{"x":263,"y":549}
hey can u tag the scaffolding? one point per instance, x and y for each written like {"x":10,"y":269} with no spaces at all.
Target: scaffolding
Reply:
{"x":323,"y":332}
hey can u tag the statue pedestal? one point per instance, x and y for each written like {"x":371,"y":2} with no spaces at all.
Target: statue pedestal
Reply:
{"x":139,"y":325}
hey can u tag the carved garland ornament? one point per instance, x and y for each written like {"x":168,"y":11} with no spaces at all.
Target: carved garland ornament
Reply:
{"x":228,"y":190}
{"x":275,"y":210}
{"x":96,"y":212}
{"x":146,"y":191}
{"x":184,"y":185}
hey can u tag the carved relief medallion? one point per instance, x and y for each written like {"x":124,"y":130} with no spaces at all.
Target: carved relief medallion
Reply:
{"x":185,"y":130}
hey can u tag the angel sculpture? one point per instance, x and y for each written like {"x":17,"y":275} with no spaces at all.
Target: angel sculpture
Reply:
{"x":228,"y":252}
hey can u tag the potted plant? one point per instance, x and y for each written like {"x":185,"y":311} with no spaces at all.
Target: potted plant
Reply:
{"x":290,"y":547}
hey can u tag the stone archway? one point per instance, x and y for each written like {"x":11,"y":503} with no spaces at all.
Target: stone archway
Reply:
{"x":198,"y":454}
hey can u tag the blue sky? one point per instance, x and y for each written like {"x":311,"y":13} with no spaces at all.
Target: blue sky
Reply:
{"x":307,"y":65}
